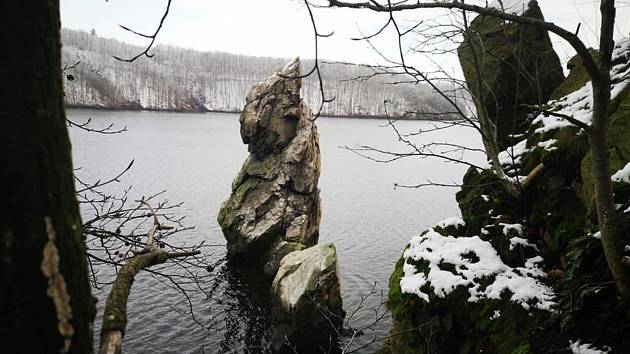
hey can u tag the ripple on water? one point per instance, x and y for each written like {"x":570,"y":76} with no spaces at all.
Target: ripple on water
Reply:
{"x":196,"y":156}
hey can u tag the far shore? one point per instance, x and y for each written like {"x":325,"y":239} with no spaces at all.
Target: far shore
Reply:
{"x":142,"y":109}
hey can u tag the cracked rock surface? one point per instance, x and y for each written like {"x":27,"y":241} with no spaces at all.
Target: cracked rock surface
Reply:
{"x":275,"y":204}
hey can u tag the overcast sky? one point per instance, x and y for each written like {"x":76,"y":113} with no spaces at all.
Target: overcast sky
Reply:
{"x":282,"y":28}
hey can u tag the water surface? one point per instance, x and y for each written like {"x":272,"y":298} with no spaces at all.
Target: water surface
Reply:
{"x":195,"y":157}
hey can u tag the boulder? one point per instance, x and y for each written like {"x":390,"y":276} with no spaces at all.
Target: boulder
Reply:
{"x":274,"y":197}
{"x":501,"y":48}
{"x":306,"y":300}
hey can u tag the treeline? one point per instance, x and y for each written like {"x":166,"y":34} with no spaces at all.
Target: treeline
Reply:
{"x":180,"y":79}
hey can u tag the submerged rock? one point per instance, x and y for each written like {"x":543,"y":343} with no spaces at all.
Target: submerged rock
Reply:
{"x":306,"y":299}
{"x":501,"y":49}
{"x":275,"y":197}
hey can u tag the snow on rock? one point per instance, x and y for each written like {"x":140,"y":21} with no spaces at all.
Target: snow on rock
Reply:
{"x":509,"y":228}
{"x":454,"y":221}
{"x":579,"y":348}
{"x":513,"y":155}
{"x":516,"y":241}
{"x":598,"y":235}
{"x":471,"y":259}
{"x":622,"y":175}
{"x":579,"y":104}
{"x":548,"y":144}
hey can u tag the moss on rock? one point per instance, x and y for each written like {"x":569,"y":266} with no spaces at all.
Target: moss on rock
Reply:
{"x":454,"y":325}
{"x":503,"y":49}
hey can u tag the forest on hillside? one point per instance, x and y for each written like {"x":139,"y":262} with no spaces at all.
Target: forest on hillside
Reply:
{"x":178,"y":79}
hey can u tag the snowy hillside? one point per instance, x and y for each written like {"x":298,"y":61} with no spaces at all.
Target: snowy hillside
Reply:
{"x":187,"y":80}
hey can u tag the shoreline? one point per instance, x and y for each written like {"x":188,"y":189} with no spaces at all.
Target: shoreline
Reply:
{"x":142,"y":109}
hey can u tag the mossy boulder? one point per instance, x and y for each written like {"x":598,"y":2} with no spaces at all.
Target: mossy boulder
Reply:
{"x":500,"y":49}
{"x":453,"y":324}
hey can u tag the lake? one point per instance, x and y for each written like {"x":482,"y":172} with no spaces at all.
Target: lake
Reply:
{"x":194,"y":157}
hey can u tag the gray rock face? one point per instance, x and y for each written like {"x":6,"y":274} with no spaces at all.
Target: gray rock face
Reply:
{"x":306,"y":299}
{"x":275,"y":197}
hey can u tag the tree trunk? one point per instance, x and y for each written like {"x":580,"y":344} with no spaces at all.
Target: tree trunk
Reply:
{"x":609,"y":221}
{"x":45,"y":300}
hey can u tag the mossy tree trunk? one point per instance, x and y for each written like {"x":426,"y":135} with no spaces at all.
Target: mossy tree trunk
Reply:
{"x":45,"y":301}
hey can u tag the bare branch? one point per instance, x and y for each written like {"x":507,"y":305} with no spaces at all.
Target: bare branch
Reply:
{"x":153,"y":36}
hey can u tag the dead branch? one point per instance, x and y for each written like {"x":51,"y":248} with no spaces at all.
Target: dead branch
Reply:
{"x":115,"y":313}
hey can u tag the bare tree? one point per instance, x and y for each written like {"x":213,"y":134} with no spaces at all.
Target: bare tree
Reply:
{"x":600,"y":74}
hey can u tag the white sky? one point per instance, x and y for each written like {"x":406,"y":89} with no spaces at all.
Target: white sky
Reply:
{"x":282,"y":28}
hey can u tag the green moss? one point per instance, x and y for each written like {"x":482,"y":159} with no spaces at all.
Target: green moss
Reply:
{"x":504,"y":48}
{"x":476,"y":211}
{"x":463,"y":327}
{"x":578,"y":76}
{"x":524,"y":349}
{"x":227,"y":213}
{"x":402,"y":307}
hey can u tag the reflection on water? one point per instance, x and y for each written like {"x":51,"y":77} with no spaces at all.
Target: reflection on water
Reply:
{"x":247,"y":309}
{"x":196,"y":156}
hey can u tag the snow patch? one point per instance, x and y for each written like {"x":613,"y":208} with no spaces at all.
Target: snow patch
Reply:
{"x":579,"y":104}
{"x":578,"y":348}
{"x":454,"y":221}
{"x":598,"y":235}
{"x":496,"y":315}
{"x":513,"y":155}
{"x":471,"y":259}
{"x":508,"y":228}
{"x":486,"y":198}
{"x":515,"y":241}
{"x":548,"y":144}
{"x":622,"y":175}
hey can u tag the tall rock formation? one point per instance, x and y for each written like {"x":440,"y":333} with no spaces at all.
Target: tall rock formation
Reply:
{"x":517,"y":65}
{"x":271,"y":220}
{"x":274,"y":207}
